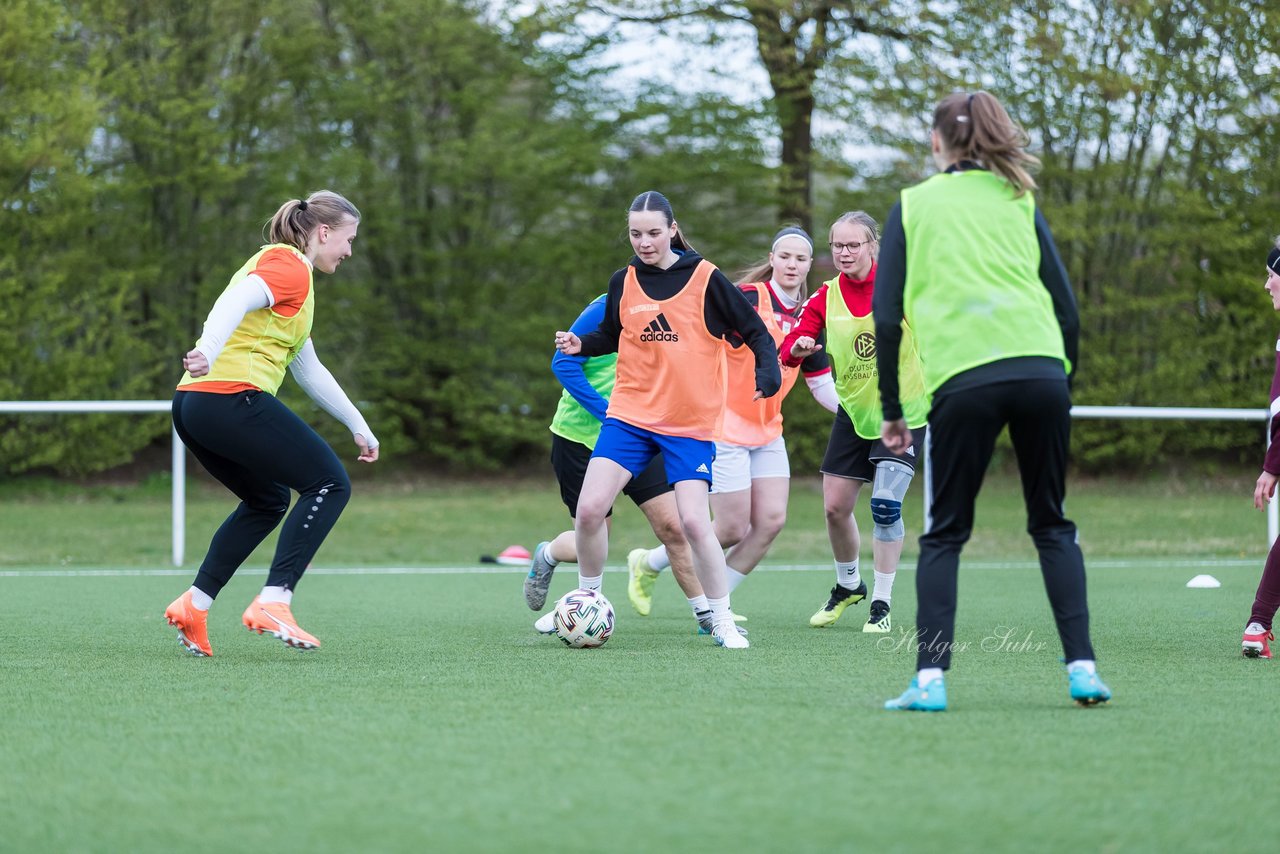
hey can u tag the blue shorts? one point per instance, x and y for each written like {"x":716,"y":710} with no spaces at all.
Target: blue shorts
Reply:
{"x":633,"y":447}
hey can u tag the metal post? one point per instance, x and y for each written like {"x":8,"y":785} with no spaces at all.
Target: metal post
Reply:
{"x":179,"y":508}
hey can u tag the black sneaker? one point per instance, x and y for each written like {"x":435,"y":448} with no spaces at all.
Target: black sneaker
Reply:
{"x":879,"y":619}
{"x":841,"y":598}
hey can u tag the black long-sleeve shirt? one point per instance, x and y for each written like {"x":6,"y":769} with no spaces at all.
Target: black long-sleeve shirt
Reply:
{"x":725,"y":311}
{"x":887,"y":306}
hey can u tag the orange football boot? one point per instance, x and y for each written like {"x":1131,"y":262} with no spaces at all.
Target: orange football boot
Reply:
{"x":275,"y":619}
{"x":192,"y":625}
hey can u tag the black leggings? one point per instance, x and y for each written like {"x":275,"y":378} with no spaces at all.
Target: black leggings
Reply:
{"x":963,"y":427}
{"x":260,"y":450}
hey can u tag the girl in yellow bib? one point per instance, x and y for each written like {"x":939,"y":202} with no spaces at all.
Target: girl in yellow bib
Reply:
{"x":226,"y":413}
{"x":855,"y":456}
{"x":667,"y":314}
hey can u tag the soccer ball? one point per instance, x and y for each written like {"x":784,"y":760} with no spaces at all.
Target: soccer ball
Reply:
{"x":583,"y":618}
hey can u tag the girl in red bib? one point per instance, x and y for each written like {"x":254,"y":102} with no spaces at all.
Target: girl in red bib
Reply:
{"x":667,"y":314}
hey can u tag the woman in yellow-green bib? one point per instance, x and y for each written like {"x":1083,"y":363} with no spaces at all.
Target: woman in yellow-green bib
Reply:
{"x":226,"y":412}
{"x":841,"y":310}
{"x":970,"y":260}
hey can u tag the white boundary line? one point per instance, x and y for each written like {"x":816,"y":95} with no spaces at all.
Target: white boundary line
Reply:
{"x":1171,"y":562}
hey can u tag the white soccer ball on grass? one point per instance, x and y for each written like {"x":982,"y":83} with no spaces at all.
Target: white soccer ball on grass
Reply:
{"x":583,"y":618}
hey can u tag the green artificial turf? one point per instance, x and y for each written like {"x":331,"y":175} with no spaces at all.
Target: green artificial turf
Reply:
{"x":435,"y":719}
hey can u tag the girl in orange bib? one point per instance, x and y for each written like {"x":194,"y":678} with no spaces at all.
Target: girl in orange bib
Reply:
{"x":752,"y":474}
{"x":667,"y":314}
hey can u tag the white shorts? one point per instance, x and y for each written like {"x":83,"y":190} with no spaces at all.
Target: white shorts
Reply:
{"x":736,"y":465}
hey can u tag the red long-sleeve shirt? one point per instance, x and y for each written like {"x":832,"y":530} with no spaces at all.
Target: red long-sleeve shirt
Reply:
{"x":857,"y":295}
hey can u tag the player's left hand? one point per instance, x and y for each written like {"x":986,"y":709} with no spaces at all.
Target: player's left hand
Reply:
{"x":367,"y":454}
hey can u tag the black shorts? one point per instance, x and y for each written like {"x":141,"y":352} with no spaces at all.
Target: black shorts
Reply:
{"x":569,"y":460}
{"x":850,"y":455}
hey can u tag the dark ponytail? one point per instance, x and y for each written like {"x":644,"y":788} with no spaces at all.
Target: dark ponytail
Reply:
{"x":977,"y":127}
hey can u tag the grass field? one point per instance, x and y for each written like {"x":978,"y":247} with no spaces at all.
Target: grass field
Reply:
{"x":435,"y":719}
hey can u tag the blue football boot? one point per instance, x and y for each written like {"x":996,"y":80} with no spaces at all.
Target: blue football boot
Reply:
{"x":930,"y":698}
{"x":1086,"y":688}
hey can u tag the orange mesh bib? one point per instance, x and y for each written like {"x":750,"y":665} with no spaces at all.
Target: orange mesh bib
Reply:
{"x":749,"y":422}
{"x":671,"y":370}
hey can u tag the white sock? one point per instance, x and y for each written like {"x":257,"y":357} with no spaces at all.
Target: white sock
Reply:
{"x":847,"y":575}
{"x":595,"y":583}
{"x":735,"y":578}
{"x":699,"y":604}
{"x":658,"y":559}
{"x":200,"y":600}
{"x":927,"y":675}
{"x":720,"y":609}
{"x":1090,"y":666}
{"x":1251,"y":629}
{"x":275,"y":594}
{"x":546,"y":555}
{"x":884,"y":586}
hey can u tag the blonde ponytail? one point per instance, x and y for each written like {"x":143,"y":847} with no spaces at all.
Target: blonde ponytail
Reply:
{"x":296,"y":219}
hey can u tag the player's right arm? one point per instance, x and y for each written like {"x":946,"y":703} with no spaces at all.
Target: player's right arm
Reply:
{"x":802,"y":341}
{"x":604,"y":339}
{"x":248,"y":295}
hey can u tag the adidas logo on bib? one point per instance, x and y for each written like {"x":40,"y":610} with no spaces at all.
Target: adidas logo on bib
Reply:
{"x":659,"y":330}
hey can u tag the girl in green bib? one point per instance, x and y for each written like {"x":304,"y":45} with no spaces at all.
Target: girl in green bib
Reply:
{"x":841,"y":310}
{"x":968,"y":257}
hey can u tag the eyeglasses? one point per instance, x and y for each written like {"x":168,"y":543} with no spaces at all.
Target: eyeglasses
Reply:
{"x":837,"y":248}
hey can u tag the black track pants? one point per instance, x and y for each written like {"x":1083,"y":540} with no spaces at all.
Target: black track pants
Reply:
{"x":963,"y":427}
{"x":260,"y":450}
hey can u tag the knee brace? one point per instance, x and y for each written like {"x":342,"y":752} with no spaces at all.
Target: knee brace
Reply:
{"x":887,"y":514}
{"x":887,"y":491}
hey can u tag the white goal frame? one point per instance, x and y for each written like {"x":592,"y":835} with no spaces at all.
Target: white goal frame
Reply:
{"x":178,"y":510}
{"x":179,"y":463}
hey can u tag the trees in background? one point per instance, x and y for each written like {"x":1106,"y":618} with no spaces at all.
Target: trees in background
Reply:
{"x":146,"y":142}
{"x":804,"y":46}
{"x":143,"y":144}
{"x":1156,"y":123}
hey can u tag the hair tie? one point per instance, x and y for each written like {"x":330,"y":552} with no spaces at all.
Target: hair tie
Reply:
{"x":302,"y":204}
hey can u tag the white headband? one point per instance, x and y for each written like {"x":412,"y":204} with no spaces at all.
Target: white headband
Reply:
{"x":792,"y":233}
